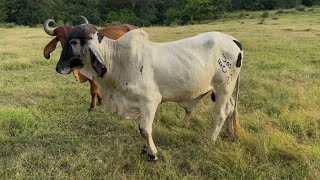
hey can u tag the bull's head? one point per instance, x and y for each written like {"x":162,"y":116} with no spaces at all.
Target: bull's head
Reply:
{"x":60,"y":34}
{"x":80,"y":50}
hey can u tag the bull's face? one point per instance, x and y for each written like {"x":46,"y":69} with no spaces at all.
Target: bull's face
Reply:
{"x":80,"y":50}
{"x":60,"y":34}
{"x":71,"y":56}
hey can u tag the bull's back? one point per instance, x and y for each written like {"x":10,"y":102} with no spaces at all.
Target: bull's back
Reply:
{"x":184,"y":69}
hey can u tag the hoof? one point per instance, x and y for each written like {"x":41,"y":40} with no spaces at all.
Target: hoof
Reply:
{"x":100,"y":103}
{"x":144,"y":150}
{"x":213,"y":139}
{"x":152,"y":158}
{"x":187,"y":111}
{"x":91,"y":109}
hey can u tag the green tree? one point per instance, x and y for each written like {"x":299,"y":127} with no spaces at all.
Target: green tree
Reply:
{"x":269,"y":4}
{"x":3,"y":13}
{"x":310,"y":2}
{"x":145,"y":9}
{"x":28,"y":12}
{"x":173,"y":16}
{"x":69,"y":11}
{"x":222,"y":5}
{"x":288,"y":3}
{"x":169,"y":10}
{"x":198,"y":10}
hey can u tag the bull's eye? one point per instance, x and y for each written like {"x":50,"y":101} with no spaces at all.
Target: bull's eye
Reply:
{"x":73,"y":42}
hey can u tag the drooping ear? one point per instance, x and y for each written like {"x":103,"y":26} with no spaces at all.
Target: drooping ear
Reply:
{"x":97,"y":61}
{"x":50,"y":47}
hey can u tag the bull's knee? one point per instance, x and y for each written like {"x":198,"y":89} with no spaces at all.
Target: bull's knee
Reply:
{"x":143,"y":132}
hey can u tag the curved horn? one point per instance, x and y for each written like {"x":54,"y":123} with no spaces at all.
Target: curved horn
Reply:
{"x":47,"y":28}
{"x":85,"y":20}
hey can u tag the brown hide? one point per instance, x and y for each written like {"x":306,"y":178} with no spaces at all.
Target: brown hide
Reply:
{"x":115,"y":32}
{"x":61,"y":34}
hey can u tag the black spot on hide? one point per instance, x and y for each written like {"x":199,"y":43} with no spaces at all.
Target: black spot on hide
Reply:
{"x":100,"y":37}
{"x":213,"y":97}
{"x":238,"y":44}
{"x":141,"y":69}
{"x":239,"y":60}
{"x":209,"y":44}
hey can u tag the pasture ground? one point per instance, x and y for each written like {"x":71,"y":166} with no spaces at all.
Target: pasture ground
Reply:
{"x":47,"y":133}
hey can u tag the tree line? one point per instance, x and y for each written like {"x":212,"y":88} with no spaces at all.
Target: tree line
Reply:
{"x":136,"y":12}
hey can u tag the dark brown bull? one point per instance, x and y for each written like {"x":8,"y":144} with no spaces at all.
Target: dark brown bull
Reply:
{"x":61,"y":34}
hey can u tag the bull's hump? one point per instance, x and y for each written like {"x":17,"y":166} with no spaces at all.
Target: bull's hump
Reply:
{"x":135,"y":35}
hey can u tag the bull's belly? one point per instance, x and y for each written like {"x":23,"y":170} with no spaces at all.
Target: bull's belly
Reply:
{"x":179,"y":94}
{"x":183,"y":84}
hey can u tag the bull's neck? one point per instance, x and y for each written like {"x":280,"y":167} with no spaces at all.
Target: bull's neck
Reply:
{"x":106,"y":48}
{"x":110,"y":51}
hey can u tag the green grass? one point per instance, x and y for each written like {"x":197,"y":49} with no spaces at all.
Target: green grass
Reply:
{"x":46,"y":131}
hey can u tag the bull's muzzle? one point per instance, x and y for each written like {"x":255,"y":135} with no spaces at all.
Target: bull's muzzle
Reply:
{"x":63,"y":70}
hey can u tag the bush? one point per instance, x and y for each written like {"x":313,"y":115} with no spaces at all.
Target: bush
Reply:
{"x":264,"y":14}
{"x":291,"y":11}
{"x":176,"y":22}
{"x":275,"y":18}
{"x":261,"y":21}
{"x":241,"y":16}
{"x":279,"y":11}
{"x":300,"y":8}
{"x":8,"y":25}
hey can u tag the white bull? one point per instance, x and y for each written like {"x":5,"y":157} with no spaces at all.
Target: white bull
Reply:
{"x":135,"y":75}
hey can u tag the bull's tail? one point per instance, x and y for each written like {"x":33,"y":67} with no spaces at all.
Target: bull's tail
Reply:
{"x":236,"y":124}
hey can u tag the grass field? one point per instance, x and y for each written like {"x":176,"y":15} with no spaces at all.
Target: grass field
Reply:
{"x":47,"y":133}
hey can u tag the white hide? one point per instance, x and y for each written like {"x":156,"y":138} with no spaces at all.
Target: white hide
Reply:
{"x":141,"y":74}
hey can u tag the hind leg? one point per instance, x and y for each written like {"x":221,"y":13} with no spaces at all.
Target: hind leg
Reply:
{"x":224,"y":109}
{"x":232,"y":121}
{"x":221,"y":115}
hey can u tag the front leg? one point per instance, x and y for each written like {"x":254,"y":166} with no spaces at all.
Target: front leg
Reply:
{"x":148,"y":110}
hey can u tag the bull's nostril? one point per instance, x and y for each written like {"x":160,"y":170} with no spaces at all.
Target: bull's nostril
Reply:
{"x":58,"y":69}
